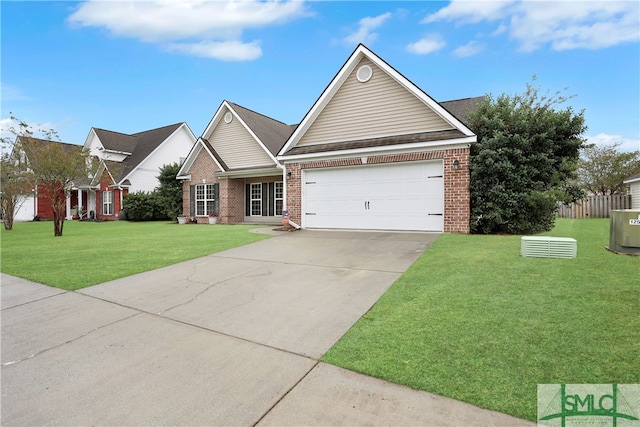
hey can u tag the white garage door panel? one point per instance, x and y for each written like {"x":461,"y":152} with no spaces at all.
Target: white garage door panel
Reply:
{"x":401,"y":196}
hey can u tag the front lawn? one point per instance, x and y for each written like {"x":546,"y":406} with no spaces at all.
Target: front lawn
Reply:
{"x":475,"y":321}
{"x":94,"y":252}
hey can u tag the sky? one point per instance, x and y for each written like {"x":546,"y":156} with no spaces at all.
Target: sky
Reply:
{"x":130,"y":66}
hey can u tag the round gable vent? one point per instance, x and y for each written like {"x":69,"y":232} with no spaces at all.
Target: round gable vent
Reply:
{"x":364,"y":73}
{"x":228,"y":117}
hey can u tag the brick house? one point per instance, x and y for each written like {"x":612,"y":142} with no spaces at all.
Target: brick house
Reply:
{"x":373,"y":152}
{"x":123,"y":163}
{"x":128,"y":163}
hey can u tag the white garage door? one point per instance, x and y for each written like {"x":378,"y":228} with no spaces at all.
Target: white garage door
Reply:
{"x":398,"y":196}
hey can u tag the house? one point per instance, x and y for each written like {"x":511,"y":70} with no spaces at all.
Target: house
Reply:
{"x":123,"y":163}
{"x":373,"y":152}
{"x":128,"y":163}
{"x":38,"y":203}
{"x":634,"y":189}
{"x":232,"y":169}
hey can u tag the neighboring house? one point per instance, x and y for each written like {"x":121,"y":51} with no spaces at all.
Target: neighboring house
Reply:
{"x":129,"y":163}
{"x":37,"y":204}
{"x":124,"y":163}
{"x":634,"y":189}
{"x":374,"y":152}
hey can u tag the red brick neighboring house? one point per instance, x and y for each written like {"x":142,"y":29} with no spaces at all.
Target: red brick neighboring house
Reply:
{"x":124,"y":163}
{"x":374,"y":152}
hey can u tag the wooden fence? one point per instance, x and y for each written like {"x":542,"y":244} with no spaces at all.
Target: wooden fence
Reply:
{"x":594,"y":206}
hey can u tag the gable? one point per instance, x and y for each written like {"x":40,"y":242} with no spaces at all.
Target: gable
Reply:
{"x":377,"y":108}
{"x":235,"y":145}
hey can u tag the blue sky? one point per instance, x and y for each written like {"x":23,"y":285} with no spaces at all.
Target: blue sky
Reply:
{"x":133,"y":66}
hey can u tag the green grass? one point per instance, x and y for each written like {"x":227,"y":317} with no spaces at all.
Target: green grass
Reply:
{"x":475,"y":321}
{"x":94,"y":252}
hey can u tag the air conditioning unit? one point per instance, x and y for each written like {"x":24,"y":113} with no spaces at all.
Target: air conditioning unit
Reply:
{"x":548,"y":247}
{"x":624,"y":231}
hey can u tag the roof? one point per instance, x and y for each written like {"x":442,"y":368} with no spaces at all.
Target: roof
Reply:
{"x":67,"y":147}
{"x":138,"y":145}
{"x":377,"y":142}
{"x":460,"y":108}
{"x":271,"y":132}
{"x":632,"y":178}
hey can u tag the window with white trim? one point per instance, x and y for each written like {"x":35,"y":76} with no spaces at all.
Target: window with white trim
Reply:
{"x":205,"y":201}
{"x":278,"y":197}
{"x":256,"y":199}
{"x":107,"y":203}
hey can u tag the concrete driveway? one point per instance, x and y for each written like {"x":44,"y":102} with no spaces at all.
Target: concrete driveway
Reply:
{"x":229,"y":339}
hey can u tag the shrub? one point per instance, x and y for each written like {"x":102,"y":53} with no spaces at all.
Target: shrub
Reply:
{"x":144,"y":206}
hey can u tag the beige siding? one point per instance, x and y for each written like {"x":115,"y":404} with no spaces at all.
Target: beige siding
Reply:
{"x":635,"y":194}
{"x":377,"y":108}
{"x":236,"y":146}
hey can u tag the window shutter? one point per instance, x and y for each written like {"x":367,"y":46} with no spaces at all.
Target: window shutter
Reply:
{"x":216,"y":196}
{"x":265,"y":199}
{"x":101,"y":203}
{"x":192,"y":200}
{"x":272,"y":199}
{"x":247,"y":200}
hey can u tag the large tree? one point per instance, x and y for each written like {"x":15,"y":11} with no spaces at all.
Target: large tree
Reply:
{"x":524,"y":161}
{"x":50,"y":166}
{"x":170,"y":189}
{"x":15,"y":187}
{"x":604,"y":168}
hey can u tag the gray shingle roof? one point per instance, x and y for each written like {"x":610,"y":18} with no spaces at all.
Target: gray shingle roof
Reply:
{"x":272,"y":133}
{"x":377,"y":142}
{"x":140,"y":145}
{"x":461,"y":107}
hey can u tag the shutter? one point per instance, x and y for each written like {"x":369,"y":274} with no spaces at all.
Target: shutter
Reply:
{"x":216,"y":196}
{"x":247,"y":200}
{"x":192,"y":200}
{"x":101,"y":205}
{"x":272,"y":202}
{"x":265,"y":199}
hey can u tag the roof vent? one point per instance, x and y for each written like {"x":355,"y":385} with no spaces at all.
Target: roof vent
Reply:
{"x":364,"y":73}
{"x":228,"y":117}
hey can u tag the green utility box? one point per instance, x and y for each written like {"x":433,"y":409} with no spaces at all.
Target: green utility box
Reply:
{"x":624,"y":234}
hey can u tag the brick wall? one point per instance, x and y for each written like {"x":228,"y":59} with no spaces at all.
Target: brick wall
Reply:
{"x":456,"y":182}
{"x":202,"y":172}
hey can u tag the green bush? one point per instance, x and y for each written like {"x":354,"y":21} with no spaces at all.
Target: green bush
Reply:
{"x":524,"y":161}
{"x":145,"y":206}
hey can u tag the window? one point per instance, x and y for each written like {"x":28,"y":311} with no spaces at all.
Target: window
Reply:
{"x":278,"y":198}
{"x":205,"y":199}
{"x":107,"y":203}
{"x":256,"y":199}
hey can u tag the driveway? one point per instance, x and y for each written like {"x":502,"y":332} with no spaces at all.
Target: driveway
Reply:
{"x":233,"y":338}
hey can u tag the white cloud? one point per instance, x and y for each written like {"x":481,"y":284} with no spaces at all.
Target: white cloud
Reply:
{"x":205,"y":25}
{"x":470,"y":11}
{"x":426,"y":45}
{"x":226,"y":50}
{"x":603,"y":139}
{"x":364,"y":33}
{"x":469,"y":49}
{"x":563,"y":25}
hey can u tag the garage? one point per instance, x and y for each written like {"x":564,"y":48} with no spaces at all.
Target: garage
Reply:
{"x":397,"y":196}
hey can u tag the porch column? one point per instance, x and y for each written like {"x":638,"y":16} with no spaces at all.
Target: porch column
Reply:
{"x":80,"y":202}
{"x":69,"y":207}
